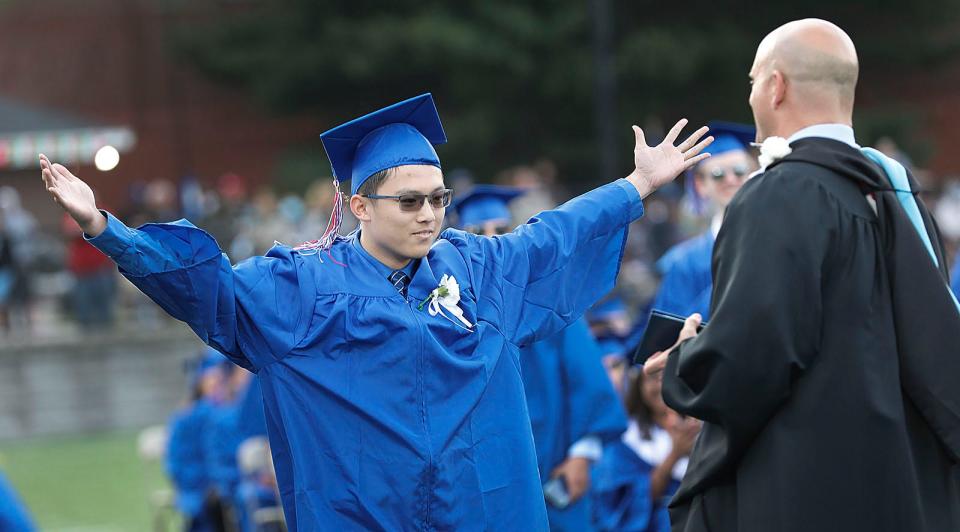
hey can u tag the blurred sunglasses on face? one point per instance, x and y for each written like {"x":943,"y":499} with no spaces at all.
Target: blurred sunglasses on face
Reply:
{"x":739,"y":170}
{"x":479,"y":229}
{"x":412,"y":202}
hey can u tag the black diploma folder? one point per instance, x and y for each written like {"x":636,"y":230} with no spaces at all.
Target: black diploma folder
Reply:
{"x":662,"y":331}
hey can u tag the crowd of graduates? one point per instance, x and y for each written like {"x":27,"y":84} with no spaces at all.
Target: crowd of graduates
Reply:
{"x":217,"y":457}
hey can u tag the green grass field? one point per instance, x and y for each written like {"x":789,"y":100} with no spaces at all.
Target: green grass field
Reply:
{"x":85,"y":483}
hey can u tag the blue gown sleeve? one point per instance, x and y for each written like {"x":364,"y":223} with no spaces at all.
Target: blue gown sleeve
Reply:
{"x":594,"y":407}
{"x":546,"y":273}
{"x":621,"y":492}
{"x":708,"y":376}
{"x":254,"y":313}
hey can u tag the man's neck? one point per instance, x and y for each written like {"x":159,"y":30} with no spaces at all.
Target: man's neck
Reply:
{"x":387,"y":259}
{"x":791,"y":127}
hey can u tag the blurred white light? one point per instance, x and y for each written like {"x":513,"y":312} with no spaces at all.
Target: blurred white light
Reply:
{"x":106,"y":159}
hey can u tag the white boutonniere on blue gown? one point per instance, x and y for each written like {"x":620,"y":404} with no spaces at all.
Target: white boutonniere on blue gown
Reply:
{"x":445,"y":301}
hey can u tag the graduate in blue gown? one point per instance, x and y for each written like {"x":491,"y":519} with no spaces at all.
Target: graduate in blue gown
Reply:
{"x":686,"y":283}
{"x":388,"y":359}
{"x":187,"y":460}
{"x":639,"y":473}
{"x":237,"y":418}
{"x":221,"y":441}
{"x":609,"y":322}
{"x":257,"y":491}
{"x":573,"y":409}
{"x":13,"y":514}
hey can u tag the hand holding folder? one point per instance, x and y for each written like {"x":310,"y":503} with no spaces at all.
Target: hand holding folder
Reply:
{"x":664,"y":332}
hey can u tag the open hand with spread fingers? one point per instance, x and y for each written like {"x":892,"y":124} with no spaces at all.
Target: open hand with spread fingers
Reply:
{"x":73,"y":195}
{"x":657,"y":165}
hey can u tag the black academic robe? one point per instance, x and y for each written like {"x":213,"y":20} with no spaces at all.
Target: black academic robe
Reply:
{"x":825,"y":406}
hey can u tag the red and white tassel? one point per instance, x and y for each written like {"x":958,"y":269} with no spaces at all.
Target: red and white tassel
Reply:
{"x":332,"y":233}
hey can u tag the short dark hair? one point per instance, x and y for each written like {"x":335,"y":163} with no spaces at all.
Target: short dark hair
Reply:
{"x":373,"y":183}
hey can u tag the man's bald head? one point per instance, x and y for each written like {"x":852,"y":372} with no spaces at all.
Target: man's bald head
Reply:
{"x":815,"y":66}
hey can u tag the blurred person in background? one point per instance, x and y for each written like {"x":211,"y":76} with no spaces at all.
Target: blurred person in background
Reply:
{"x":94,"y":280}
{"x":889,"y":147}
{"x":259,"y":227}
{"x":257,"y":496}
{"x":251,"y":426}
{"x":226,"y":206}
{"x":686,"y":284}
{"x":237,"y":417}
{"x":573,"y":409}
{"x":187,"y":460}
{"x":610,"y":325}
{"x":160,"y":202}
{"x":7,"y":275}
{"x":20,"y":228}
{"x":637,"y":475}
{"x":609,"y":319}
{"x":539,"y":185}
{"x":14,"y":516}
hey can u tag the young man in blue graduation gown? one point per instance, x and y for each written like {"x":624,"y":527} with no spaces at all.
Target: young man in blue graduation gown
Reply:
{"x":685,"y":269}
{"x":387,"y":359}
{"x":573,"y":409}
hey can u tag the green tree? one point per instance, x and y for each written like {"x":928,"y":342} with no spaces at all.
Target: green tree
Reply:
{"x":515,"y":79}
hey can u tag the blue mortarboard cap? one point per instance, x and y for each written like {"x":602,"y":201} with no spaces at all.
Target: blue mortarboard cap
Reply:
{"x":727,"y":137}
{"x":209,"y":359}
{"x":403,"y":133}
{"x":606,"y":309}
{"x":730,"y":136}
{"x":484,"y":203}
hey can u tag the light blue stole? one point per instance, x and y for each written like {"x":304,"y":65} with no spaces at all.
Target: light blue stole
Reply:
{"x":897,"y":175}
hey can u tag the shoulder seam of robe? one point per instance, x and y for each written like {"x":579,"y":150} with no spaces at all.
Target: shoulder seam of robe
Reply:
{"x":836,"y":201}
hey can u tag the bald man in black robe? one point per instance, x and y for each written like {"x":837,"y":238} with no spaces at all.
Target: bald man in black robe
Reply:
{"x":828,"y":379}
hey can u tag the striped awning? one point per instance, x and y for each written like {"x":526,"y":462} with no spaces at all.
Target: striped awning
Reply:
{"x":27,"y":130}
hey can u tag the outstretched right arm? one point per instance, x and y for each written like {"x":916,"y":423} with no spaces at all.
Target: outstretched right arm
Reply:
{"x":254,"y":313}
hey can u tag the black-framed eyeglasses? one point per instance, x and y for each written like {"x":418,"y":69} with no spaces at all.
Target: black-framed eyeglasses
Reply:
{"x":412,"y":202}
{"x":739,"y":170}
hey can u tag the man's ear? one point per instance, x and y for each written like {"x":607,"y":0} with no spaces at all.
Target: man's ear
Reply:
{"x":360,"y":207}
{"x":778,"y":84}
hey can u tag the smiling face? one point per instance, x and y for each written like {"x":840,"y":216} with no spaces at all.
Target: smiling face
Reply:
{"x":391,"y":235}
{"x":720,"y":177}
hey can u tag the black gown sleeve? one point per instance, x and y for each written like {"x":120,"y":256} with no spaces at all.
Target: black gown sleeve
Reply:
{"x":766,"y":313}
